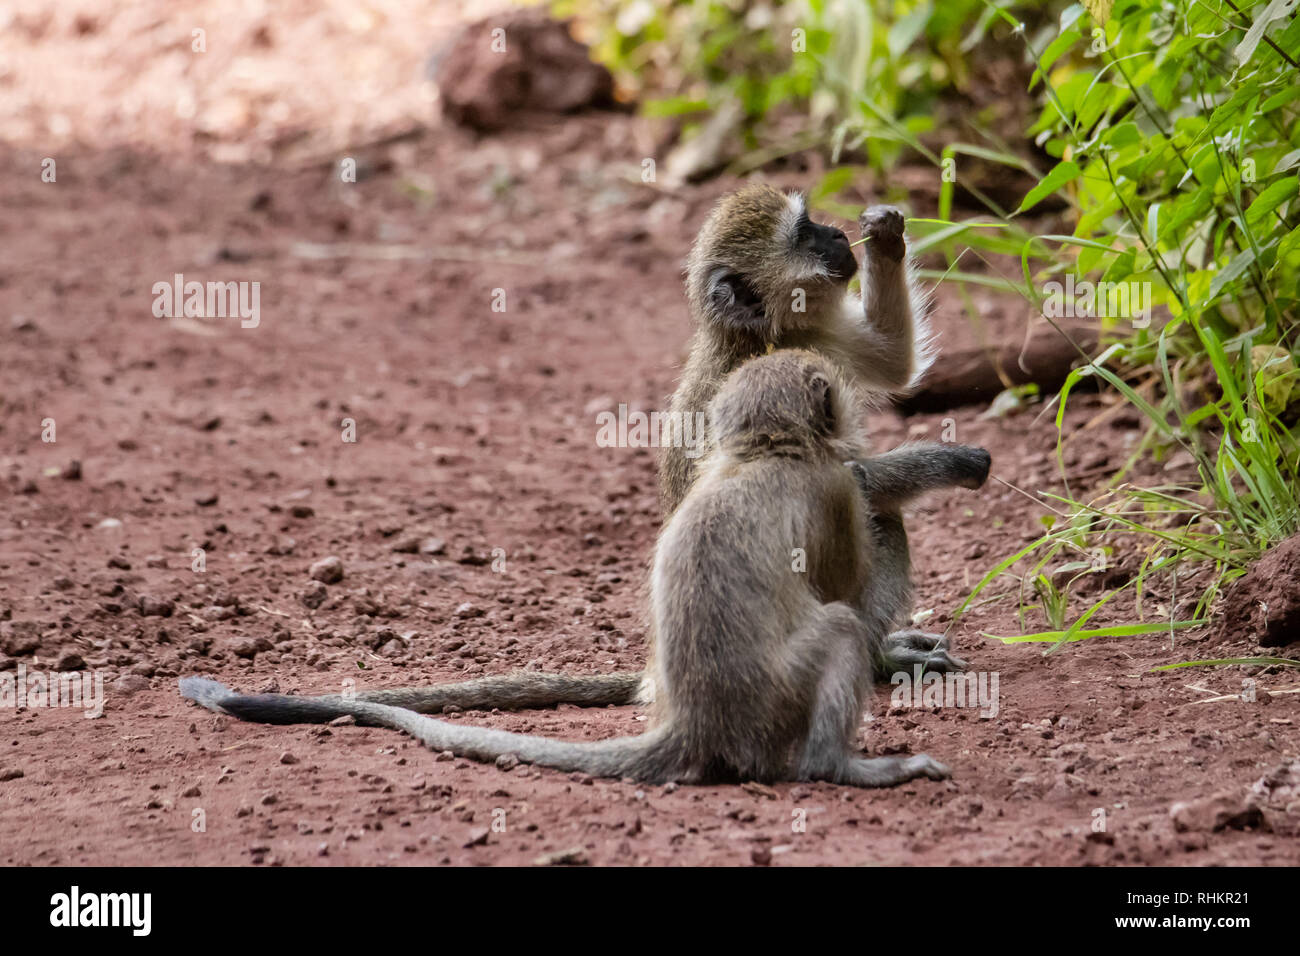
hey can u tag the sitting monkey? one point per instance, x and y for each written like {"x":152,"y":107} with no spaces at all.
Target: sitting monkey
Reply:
{"x":762,"y":671}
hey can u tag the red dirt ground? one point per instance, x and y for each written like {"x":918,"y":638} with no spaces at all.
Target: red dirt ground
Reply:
{"x":476,"y":427}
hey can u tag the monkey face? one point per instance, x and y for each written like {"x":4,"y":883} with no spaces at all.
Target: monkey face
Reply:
{"x":760,"y":264}
{"x":829,"y":246}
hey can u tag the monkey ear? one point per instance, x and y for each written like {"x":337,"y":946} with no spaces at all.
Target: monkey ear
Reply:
{"x":823,"y":402}
{"x":734,"y":301}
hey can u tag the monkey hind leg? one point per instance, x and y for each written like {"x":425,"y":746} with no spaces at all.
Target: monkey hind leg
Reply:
{"x":889,"y":596}
{"x":834,"y":643}
{"x":833,"y":646}
{"x":890,"y":771}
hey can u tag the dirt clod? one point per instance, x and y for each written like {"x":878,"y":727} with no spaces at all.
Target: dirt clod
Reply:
{"x":1265,"y":601}
{"x":1225,"y":809}
{"x":533,"y":65}
{"x":328,"y":570}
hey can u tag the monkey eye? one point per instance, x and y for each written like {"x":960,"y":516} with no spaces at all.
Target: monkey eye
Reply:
{"x":804,"y":236}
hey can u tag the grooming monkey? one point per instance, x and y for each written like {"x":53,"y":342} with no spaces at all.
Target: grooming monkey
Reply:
{"x":762,"y":276}
{"x":762,"y":671}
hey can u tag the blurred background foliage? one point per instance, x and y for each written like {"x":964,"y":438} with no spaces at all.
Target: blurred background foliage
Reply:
{"x":1149,"y":141}
{"x":840,"y":72}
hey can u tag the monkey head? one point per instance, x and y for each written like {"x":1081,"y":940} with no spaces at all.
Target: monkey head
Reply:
{"x":760,"y":266}
{"x":789,"y":402}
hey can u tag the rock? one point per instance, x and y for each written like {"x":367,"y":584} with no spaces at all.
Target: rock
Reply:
{"x":119,"y":562}
{"x":467,"y":610}
{"x":394,"y":648}
{"x":13,"y":773}
{"x":192,"y":791}
{"x":541,"y":69}
{"x":20,"y":637}
{"x":302,"y":511}
{"x":1225,"y":810}
{"x":206,"y":499}
{"x":283,"y":545}
{"x":328,"y":570}
{"x":251,"y":647}
{"x":1265,"y":601}
{"x":477,"y":837}
{"x":1278,"y":793}
{"x":288,"y":759}
{"x":73,"y":471}
{"x":110,"y":524}
{"x":575,"y":856}
{"x":347,"y":720}
{"x":156,"y":607}
{"x":155,"y":561}
{"x":314,"y":596}
{"x":129,"y":684}
{"x":507,"y":762}
{"x":433,"y":546}
{"x":70,"y":661}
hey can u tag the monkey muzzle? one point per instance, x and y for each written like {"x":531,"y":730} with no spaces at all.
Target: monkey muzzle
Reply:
{"x":832,"y":247}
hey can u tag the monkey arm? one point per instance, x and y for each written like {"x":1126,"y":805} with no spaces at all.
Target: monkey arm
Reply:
{"x":884,"y":337}
{"x":892,"y":479}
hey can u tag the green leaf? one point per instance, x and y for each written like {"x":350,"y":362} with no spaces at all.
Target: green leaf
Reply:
{"x":1236,"y":661}
{"x":1120,"y":630}
{"x":1122,"y":135}
{"x":1062,"y":173}
{"x":1274,"y":11}
{"x":1239,"y":264}
{"x":1272,"y":197}
{"x":832,"y":183}
{"x":675,"y":106}
{"x":1289,"y":160}
{"x":1280,"y":99}
{"x":905,"y":31}
{"x":1055,"y":50}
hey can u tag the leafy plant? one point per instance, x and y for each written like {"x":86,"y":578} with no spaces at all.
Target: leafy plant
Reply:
{"x":1174,"y":124}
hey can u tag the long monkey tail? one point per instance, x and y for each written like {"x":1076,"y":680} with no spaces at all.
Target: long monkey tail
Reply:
{"x":519,"y":690}
{"x":650,"y":757}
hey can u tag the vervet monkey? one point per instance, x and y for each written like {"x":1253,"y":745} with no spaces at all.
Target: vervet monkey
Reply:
{"x":762,"y":671}
{"x":762,"y":276}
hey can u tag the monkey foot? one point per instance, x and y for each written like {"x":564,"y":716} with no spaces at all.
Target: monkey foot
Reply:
{"x":905,"y":649}
{"x":891,"y":771}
